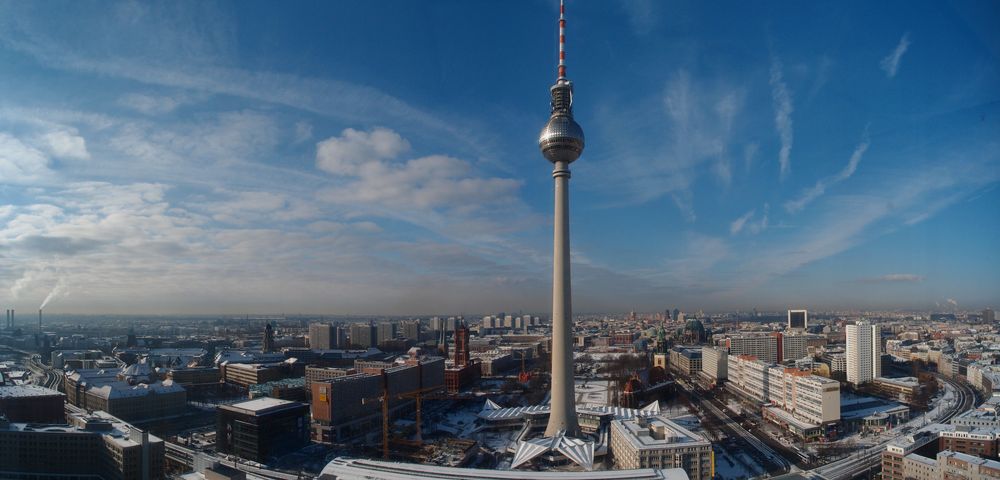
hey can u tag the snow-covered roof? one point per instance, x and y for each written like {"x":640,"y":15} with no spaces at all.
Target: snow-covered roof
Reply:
{"x":120,"y":389}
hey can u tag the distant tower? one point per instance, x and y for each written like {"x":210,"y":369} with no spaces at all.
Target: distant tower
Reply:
{"x":131,"y":341}
{"x":443,"y":348}
{"x":268,"y":338}
{"x":462,"y":345}
{"x":561,"y":142}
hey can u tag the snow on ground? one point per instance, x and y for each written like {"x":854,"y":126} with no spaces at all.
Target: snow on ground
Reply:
{"x":593,"y":392}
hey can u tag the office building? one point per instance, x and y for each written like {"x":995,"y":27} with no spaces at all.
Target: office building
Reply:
{"x":794,"y":346}
{"x":411,"y":330}
{"x":902,"y":390}
{"x":32,"y":404}
{"x":347,"y":406}
{"x":363,"y":335}
{"x":685,"y":361}
{"x":340,"y":337}
{"x":246,"y":374}
{"x":195,"y":377}
{"x":321,"y":336}
{"x":807,"y":405}
{"x":715,"y":363}
{"x":762,"y":346}
{"x":656,"y":442}
{"x":989,"y":315}
{"x":864,"y":352}
{"x":386,"y":332}
{"x":263,"y":428}
{"x":798,"y":319}
{"x":94,"y":445}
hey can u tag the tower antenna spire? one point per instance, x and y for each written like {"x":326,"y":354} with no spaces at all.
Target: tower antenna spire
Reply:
{"x":562,"y":39}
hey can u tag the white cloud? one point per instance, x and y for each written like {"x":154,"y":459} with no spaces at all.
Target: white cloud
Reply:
{"x":66,"y":144}
{"x":817,"y":190}
{"x":346,"y":154}
{"x":750,"y":222}
{"x":737,"y":225}
{"x":21,"y":163}
{"x":782,"y":100}
{"x":890,"y":64}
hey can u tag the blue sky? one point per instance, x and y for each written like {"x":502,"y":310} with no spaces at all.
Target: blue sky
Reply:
{"x":381,"y":157}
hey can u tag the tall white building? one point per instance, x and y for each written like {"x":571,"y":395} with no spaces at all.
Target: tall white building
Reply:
{"x":715,"y":363}
{"x":864,"y":352}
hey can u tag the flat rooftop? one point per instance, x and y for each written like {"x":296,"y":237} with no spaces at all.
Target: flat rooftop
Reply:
{"x":656,"y":433}
{"x":26,"y":391}
{"x":262,"y":405}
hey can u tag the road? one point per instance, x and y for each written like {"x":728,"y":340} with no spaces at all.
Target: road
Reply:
{"x":871,"y":457}
{"x":734,"y":429}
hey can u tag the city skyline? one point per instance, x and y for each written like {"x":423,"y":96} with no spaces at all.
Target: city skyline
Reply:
{"x":204,"y":158}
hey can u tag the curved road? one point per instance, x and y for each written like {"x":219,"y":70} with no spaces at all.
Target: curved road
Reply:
{"x":871,"y":457}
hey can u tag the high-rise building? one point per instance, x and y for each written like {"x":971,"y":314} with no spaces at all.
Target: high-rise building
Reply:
{"x":386,"y":332}
{"x":864,"y":352}
{"x":762,"y":346}
{"x":798,"y":319}
{"x":363,"y":335}
{"x":561,"y":142}
{"x":340,"y":337}
{"x":321,"y":336}
{"x":268,"y":338}
{"x":989,"y":315}
{"x":411,"y":330}
{"x":715,"y":363}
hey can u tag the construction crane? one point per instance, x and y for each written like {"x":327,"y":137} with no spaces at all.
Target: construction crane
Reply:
{"x":384,"y":398}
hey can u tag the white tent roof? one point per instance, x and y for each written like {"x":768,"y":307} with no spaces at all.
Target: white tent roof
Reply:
{"x":580,"y":452}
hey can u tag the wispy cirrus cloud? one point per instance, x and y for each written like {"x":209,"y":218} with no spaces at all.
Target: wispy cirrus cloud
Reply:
{"x":750,"y":222}
{"x":782,"y":102}
{"x":648,"y":160}
{"x":890,"y":64}
{"x":817,"y":190}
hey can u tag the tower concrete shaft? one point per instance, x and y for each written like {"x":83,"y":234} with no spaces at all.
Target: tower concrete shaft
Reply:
{"x":563,"y":406}
{"x":561,"y":142}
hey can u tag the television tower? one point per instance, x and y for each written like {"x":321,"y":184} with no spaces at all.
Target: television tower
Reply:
{"x":561,"y":142}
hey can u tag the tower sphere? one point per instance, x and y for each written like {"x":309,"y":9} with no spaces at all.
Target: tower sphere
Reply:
{"x":561,"y":139}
